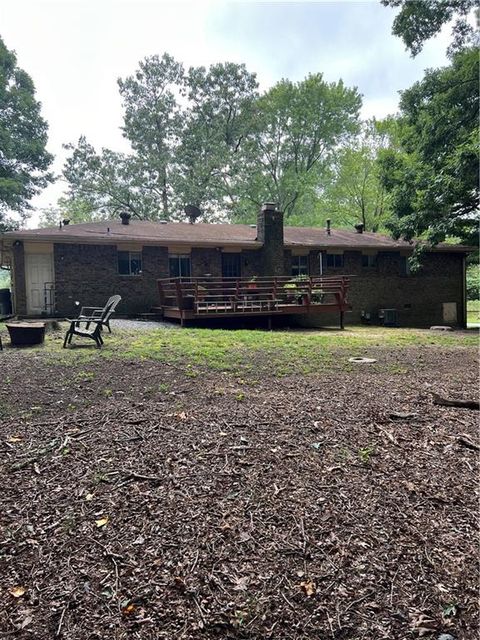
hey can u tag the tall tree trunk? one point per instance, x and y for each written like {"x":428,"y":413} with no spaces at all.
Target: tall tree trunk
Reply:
{"x":165,"y":195}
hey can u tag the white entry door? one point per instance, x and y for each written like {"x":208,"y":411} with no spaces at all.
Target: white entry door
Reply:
{"x":39,"y":282}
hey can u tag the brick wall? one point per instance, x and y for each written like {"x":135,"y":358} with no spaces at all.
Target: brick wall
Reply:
{"x":205,"y":261}
{"x":251,"y":263}
{"x":270,"y":233}
{"x":89,"y":274}
{"x":418,"y":297}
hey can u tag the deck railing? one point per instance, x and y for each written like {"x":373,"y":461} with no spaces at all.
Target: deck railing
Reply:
{"x":210,"y":295}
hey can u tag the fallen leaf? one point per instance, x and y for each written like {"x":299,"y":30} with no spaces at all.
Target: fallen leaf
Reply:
{"x":36,"y":468}
{"x":89,"y":497}
{"x":17,"y":592}
{"x":181,"y":416}
{"x":308,"y":587}
{"x":128,"y":610}
{"x":241,"y":584}
{"x":14,"y":439}
{"x":102,"y":522}
{"x":179,"y":583}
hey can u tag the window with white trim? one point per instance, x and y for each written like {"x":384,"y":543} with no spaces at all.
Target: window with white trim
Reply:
{"x":129,"y":263}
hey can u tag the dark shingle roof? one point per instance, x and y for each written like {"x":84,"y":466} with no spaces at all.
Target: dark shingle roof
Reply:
{"x":203,"y":234}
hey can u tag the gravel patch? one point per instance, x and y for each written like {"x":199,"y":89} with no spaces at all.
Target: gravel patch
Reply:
{"x":142,"y":325}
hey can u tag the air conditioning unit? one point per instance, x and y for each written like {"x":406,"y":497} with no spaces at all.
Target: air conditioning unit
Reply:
{"x":388,"y":317}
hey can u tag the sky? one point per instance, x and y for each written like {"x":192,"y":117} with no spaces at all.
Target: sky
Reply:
{"x":75,"y":50}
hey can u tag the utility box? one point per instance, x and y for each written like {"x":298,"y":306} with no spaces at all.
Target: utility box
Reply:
{"x":388,"y":317}
{"x":5,"y":302}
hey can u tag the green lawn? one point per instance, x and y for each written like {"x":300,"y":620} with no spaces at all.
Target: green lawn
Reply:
{"x":277,"y":352}
{"x":473,"y":311}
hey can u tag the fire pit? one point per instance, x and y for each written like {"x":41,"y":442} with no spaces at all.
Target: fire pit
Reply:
{"x":23,"y":334}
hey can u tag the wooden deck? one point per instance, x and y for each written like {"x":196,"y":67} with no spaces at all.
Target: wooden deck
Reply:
{"x":206,"y":297}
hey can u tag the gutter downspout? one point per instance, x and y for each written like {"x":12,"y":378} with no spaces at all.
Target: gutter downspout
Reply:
{"x":464,"y":291}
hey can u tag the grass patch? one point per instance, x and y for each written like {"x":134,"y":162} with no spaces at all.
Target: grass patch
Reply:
{"x":473,"y":311}
{"x":282,"y":352}
{"x":245,"y":351}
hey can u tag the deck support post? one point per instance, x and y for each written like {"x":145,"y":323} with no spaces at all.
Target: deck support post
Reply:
{"x":342,"y":324}
{"x":269,"y":322}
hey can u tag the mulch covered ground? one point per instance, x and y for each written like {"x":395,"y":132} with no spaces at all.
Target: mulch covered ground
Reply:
{"x":138,"y":502}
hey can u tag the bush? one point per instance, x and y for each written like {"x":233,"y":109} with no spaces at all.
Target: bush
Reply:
{"x":4,"y":279}
{"x":473,"y":282}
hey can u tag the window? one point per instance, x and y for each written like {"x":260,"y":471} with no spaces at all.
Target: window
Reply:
{"x":179,"y":265}
{"x":369,"y":260}
{"x":231,"y":265}
{"x":333,"y":260}
{"x":299,"y":265}
{"x":129,"y":263}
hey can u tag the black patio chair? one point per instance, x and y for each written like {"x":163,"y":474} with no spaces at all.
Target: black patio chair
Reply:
{"x":98,"y":313}
{"x":98,"y":321}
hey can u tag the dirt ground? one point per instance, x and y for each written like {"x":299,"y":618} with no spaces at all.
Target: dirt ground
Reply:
{"x":140,"y":502}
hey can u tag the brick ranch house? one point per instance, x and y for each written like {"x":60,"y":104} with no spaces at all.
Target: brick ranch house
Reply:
{"x":52,"y":268}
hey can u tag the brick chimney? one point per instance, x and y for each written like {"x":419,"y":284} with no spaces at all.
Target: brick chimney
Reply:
{"x":270,"y":233}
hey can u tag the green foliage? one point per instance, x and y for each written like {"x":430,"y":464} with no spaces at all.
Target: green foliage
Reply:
{"x":433,"y":179}
{"x":73,"y":209}
{"x":185,"y":130}
{"x":473,"y":282}
{"x":24,"y":160}
{"x":353,"y":191}
{"x":365,"y":454}
{"x":297,"y":129}
{"x":420,"y":20}
{"x":216,"y":126}
{"x":109,"y":183}
{"x":205,"y":137}
{"x":4,"y":279}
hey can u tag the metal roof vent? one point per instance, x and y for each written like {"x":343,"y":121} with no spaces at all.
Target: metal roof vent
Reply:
{"x":359,"y":227}
{"x":125,"y":217}
{"x":252,"y":226}
{"x":162,"y":222}
{"x":329,"y":226}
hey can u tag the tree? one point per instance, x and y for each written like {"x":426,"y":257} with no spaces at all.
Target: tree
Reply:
{"x":353,"y":191}
{"x":297,"y":129}
{"x":420,"y":20}
{"x":217,"y":124}
{"x":74,"y":210}
{"x":111,"y":183}
{"x":185,"y":130}
{"x":24,"y":160}
{"x":433,"y":179}
{"x":153,"y":119}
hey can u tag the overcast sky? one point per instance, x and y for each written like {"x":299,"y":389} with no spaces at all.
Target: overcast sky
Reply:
{"x":75,"y":50}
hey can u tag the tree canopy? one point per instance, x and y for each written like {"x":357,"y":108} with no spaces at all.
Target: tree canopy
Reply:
{"x":420,"y":20}
{"x":206,"y":137}
{"x":297,"y":130}
{"x":433,"y":178}
{"x":24,"y":160}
